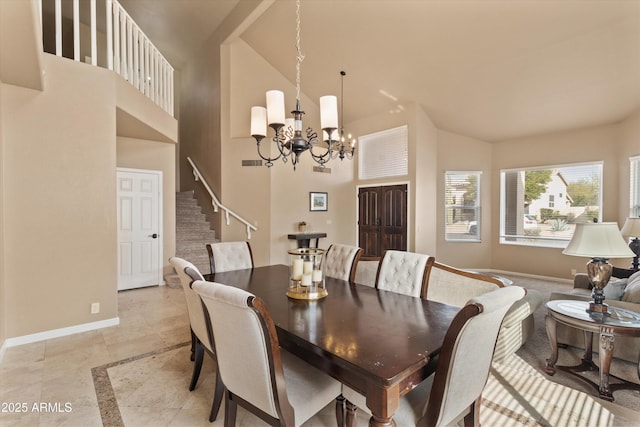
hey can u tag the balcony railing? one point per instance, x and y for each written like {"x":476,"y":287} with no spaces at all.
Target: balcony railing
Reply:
{"x":128,"y":51}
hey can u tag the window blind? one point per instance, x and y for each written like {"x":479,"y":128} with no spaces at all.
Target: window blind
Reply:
{"x":384,"y":154}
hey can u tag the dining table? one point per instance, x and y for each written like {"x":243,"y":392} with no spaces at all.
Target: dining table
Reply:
{"x":377,"y":342}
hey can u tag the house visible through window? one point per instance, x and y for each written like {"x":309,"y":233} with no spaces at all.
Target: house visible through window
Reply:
{"x":634,"y":199}
{"x":462,"y":206}
{"x":540,"y":206}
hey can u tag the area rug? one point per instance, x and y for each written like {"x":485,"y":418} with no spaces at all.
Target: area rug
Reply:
{"x":151,"y":389}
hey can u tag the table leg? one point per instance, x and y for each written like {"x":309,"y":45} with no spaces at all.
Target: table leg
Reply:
{"x":606,"y":351}
{"x":382,"y":403}
{"x":588,"y":347}
{"x":550,"y":323}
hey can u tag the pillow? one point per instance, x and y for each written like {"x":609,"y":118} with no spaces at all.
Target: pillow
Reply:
{"x":635,"y":276}
{"x":614,"y":290}
{"x":632,"y":291}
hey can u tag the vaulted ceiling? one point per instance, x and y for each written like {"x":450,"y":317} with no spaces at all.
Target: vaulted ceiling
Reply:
{"x":489,"y":69}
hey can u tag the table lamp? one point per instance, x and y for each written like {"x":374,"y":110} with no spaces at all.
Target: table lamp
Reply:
{"x":598,"y":241}
{"x":631,"y":230}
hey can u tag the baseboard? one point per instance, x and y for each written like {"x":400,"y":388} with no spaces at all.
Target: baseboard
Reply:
{"x":56,"y":333}
{"x":531,"y":276}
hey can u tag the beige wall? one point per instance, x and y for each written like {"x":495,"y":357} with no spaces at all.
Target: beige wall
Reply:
{"x":628,"y":145}
{"x":59,"y":199}
{"x":59,"y":194}
{"x":461,"y":153}
{"x":152,"y":155}
{"x":3,"y":300}
{"x":200,"y":131}
{"x":582,"y":145}
{"x":275,"y":198}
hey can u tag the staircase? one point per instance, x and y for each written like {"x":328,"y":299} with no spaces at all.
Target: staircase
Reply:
{"x":193,"y":232}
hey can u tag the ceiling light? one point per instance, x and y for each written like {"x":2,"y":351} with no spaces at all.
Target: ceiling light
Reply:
{"x":288,"y":133}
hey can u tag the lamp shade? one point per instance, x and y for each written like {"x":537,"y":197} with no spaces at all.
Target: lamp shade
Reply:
{"x":631,"y":228}
{"x":598,"y":240}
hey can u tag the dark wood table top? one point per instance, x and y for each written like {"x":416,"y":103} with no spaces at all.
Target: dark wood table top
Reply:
{"x":377,"y":342}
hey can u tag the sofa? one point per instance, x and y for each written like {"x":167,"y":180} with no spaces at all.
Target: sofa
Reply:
{"x":453,"y":286}
{"x":623,"y":290}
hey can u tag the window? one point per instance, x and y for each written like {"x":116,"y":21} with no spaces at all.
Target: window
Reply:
{"x":531,"y":215}
{"x":384,"y":154}
{"x":634,"y":199}
{"x":462,"y":206}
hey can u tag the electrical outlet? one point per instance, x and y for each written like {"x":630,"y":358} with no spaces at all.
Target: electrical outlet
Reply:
{"x":95,"y":308}
{"x":573,"y":271}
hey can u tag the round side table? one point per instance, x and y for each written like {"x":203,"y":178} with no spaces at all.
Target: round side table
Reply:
{"x":618,"y":322}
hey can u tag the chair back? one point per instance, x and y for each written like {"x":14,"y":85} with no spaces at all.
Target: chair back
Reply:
{"x":247,"y":347}
{"x":366,"y":270}
{"x":188,"y":273}
{"x":450,"y":285}
{"x":341,"y":261}
{"x":404,"y":272}
{"x":466,"y":355}
{"x":226,"y":256}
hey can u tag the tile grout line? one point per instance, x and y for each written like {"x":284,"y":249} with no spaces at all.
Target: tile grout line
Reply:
{"x":107,"y":402}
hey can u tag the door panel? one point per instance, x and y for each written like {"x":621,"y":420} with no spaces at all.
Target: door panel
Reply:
{"x":382,"y":219}
{"x":138,"y":229}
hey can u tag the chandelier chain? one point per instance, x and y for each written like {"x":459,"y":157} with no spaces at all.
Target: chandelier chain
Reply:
{"x":299,"y":54}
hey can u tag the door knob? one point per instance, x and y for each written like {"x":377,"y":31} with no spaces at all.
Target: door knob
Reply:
{"x":154,"y":235}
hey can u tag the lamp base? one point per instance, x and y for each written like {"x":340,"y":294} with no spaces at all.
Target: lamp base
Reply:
{"x":598,"y":308}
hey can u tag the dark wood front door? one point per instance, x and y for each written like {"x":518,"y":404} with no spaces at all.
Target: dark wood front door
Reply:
{"x":382,"y":219}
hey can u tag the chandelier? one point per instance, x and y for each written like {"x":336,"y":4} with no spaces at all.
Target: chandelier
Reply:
{"x":288,"y":132}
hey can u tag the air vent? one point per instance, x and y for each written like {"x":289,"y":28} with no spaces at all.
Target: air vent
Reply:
{"x":252,"y":163}
{"x":323,"y":170}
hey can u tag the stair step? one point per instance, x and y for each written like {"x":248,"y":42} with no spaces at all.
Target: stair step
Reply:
{"x":193,"y":232}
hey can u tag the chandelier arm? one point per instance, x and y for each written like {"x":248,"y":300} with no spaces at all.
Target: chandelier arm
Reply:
{"x":269,"y":160}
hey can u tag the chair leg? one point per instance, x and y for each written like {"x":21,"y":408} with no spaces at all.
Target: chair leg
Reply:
{"x":472,"y":419}
{"x":193,"y":346}
{"x":230,"y":408}
{"x":351,"y":414}
{"x":197,"y":365}
{"x":217,"y":398}
{"x":340,"y":411}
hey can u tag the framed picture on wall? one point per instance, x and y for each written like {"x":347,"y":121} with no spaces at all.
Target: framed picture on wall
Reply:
{"x":318,"y":201}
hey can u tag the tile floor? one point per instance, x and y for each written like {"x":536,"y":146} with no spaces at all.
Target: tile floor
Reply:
{"x":146,"y":359}
{"x":140,"y":370}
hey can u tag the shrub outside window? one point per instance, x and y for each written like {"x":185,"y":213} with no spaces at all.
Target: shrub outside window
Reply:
{"x":541,"y":206}
{"x":462,"y":206}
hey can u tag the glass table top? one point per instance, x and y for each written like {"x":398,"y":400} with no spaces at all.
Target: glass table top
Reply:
{"x":580,"y":310}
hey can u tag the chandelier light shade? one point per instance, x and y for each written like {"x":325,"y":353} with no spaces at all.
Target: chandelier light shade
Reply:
{"x":598,"y":241}
{"x":631,"y":230}
{"x":289,"y":138}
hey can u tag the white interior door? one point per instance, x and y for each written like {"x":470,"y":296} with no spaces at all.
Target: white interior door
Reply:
{"x":139,"y":225}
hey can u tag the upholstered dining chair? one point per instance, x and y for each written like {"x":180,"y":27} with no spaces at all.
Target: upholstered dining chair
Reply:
{"x":404,"y":272}
{"x":276,"y":386}
{"x":462,"y":369}
{"x":200,"y":341}
{"x":341,"y":261}
{"x":226,"y":256}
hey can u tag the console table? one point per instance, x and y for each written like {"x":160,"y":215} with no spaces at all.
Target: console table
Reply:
{"x":618,"y":322}
{"x":304,"y":239}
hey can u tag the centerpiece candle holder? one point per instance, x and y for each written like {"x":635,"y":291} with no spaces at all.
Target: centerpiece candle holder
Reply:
{"x":306,"y":280}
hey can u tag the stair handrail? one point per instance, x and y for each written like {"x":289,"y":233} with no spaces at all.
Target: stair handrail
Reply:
{"x":215,"y":202}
